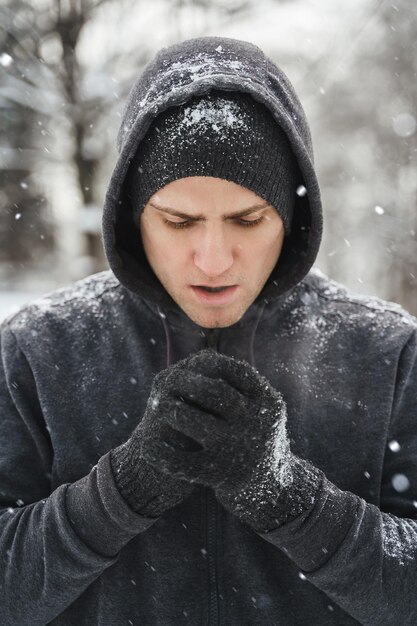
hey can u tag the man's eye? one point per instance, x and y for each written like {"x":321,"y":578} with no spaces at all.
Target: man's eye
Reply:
{"x":187,"y":223}
{"x":250,"y":222}
{"x":184,"y":224}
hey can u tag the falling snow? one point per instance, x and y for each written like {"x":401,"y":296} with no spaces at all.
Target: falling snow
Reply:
{"x":5,"y":59}
{"x":400,"y":482}
{"x":394,"y":446}
{"x":404,"y":124}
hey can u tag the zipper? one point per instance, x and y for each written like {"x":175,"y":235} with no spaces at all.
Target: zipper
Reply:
{"x":213,"y":604}
{"x":212,"y":340}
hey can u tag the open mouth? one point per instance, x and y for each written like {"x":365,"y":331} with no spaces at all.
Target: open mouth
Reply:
{"x":215,"y":295}
{"x":213,"y":289}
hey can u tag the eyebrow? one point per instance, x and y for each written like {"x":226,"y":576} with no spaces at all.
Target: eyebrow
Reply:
{"x":194,"y":218}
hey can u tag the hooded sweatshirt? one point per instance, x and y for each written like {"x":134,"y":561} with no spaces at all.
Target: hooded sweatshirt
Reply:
{"x":76,"y":371}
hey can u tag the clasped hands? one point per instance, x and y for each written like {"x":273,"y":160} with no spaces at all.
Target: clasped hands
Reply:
{"x":214,"y":420}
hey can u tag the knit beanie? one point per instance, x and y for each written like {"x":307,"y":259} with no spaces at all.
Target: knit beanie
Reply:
{"x":227,"y":135}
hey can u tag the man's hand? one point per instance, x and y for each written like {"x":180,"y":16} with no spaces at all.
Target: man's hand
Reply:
{"x":237,"y":422}
{"x":145,"y":487}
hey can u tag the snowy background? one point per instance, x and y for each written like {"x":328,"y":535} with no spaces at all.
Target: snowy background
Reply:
{"x":66,"y":67}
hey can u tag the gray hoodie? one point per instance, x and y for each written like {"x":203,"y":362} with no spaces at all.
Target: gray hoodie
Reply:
{"x":76,"y":371}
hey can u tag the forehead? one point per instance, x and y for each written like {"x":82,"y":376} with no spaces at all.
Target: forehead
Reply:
{"x":201,"y":216}
{"x":206,"y":194}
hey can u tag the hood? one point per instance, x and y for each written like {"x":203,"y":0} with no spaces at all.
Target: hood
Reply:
{"x":177,"y":73}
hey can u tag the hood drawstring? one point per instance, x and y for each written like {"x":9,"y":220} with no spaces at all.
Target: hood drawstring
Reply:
{"x":167,"y":336}
{"x":255,"y":327}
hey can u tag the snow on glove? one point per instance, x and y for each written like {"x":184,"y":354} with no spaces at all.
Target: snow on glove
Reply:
{"x":238,"y":421}
{"x":147,"y":490}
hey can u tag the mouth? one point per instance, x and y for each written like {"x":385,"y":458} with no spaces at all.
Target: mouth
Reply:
{"x":213,"y":289}
{"x":215,"y":295}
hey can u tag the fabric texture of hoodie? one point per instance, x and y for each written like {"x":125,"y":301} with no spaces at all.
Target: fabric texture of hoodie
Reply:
{"x":76,"y":371}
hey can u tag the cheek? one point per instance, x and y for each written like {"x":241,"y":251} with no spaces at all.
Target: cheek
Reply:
{"x":156,"y":241}
{"x":264,"y":247}
{"x":266,"y":254}
{"x":166,"y":252}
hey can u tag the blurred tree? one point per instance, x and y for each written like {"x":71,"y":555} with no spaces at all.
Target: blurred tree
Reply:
{"x":400,"y":142}
{"x":57,"y":90}
{"x":42,"y":82}
{"x":361,"y":93}
{"x":211,"y":14}
{"x":25,"y":228}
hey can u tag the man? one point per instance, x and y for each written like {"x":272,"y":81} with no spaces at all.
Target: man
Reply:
{"x":210,"y":433}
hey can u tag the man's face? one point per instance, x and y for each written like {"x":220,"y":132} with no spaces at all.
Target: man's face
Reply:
{"x":193,"y":237}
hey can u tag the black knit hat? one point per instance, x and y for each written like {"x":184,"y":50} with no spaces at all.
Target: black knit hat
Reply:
{"x":226,"y":135}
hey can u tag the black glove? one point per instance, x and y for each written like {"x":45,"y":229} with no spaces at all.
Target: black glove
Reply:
{"x":147,"y":490}
{"x":238,"y":422}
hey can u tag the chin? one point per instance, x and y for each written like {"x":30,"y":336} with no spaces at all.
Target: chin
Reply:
{"x":220,"y":320}
{"x":206,"y":318}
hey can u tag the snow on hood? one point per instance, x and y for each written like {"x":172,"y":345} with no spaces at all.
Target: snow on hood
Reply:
{"x":177,"y":73}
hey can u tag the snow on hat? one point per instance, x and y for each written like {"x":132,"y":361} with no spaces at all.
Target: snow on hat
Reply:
{"x":226,"y":135}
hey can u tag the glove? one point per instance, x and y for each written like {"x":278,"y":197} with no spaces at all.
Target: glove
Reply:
{"x":147,"y":490}
{"x":238,"y":421}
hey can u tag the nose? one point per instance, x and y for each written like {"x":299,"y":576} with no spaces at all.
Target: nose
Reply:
{"x":213,"y":253}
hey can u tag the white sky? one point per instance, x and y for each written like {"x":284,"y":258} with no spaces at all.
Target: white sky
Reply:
{"x":300,"y":27}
